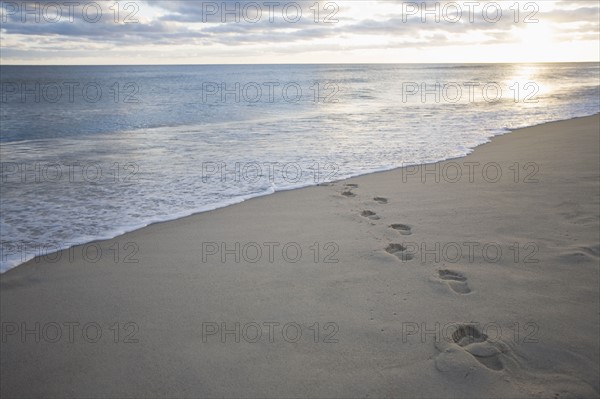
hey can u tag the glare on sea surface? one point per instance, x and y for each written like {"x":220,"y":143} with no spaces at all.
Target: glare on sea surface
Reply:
{"x":527,"y":85}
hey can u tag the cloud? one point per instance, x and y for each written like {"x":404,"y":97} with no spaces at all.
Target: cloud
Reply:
{"x":33,"y":28}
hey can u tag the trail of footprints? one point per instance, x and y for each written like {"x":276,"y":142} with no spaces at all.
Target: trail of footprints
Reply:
{"x":468,"y":337}
{"x":456,"y":281}
{"x":395,"y":249}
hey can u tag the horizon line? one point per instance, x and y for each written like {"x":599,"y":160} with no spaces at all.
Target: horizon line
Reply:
{"x":323,"y":63}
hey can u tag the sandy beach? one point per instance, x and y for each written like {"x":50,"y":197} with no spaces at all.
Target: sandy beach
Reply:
{"x":476,"y":277}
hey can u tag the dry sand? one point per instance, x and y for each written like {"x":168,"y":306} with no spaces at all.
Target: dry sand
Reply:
{"x":444,"y":315}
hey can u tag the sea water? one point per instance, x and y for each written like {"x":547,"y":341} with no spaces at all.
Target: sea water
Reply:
{"x":91,"y":152}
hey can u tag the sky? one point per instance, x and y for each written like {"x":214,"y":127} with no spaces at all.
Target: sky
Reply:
{"x":68,"y":32}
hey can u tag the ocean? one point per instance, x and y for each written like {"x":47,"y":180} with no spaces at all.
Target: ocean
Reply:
{"x":91,"y":152}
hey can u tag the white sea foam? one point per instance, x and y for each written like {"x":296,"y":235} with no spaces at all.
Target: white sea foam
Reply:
{"x":68,"y":178}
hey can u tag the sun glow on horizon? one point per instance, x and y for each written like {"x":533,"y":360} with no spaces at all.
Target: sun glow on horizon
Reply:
{"x":536,"y":40}
{"x":363,"y":32}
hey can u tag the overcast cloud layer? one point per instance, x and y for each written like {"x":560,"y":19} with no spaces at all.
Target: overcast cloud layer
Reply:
{"x":162,"y":32}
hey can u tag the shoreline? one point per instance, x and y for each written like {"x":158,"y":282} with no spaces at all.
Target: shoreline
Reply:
{"x":249,"y":197}
{"x":415,"y":282}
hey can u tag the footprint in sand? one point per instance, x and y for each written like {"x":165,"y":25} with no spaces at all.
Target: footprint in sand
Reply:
{"x":380,"y":200}
{"x":399,"y":251}
{"x":403,"y":229}
{"x":370,"y":215}
{"x":470,"y":339}
{"x":348,"y":190}
{"x":456,"y":281}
